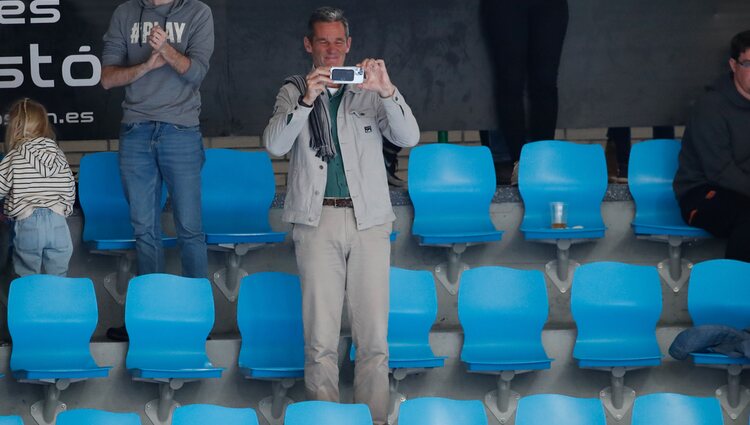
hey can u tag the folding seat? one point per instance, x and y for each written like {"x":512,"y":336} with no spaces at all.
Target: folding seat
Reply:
{"x":11,"y":420}
{"x":269,"y":316}
{"x":553,"y":171}
{"x":442,"y":411}
{"x":106,"y":226}
{"x":652,"y":167}
{"x":97,"y":417}
{"x":719,"y":294}
{"x":51,"y":320}
{"x":328,"y":413}
{"x":616,"y":307}
{"x":237,"y":191}
{"x":676,"y":409}
{"x":452,"y":188}
{"x":538,"y":409}
{"x":413,"y":310}
{"x":168,"y":319}
{"x":502,"y":312}
{"x":205,"y":414}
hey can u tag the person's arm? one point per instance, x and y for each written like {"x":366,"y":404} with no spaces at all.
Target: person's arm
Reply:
{"x":289,"y":115}
{"x":709,"y":134}
{"x":193,"y":65}
{"x":118,"y":76}
{"x":395,"y":119}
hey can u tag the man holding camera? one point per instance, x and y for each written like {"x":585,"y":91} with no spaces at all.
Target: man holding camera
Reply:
{"x":338,"y":199}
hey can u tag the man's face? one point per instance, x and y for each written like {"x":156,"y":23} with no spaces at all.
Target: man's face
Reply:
{"x":329,"y":44}
{"x":742,"y":74}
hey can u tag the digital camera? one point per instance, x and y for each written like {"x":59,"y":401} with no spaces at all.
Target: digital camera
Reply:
{"x":347,"y":75}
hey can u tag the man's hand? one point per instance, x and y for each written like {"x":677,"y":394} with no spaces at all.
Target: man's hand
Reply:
{"x":156,"y":60}
{"x":158,"y":39}
{"x":376,"y":77}
{"x":317,"y":80}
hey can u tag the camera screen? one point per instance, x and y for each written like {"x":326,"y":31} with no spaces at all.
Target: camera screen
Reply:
{"x":342,"y":75}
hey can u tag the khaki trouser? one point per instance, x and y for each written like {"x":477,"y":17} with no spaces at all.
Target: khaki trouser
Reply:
{"x":337,"y":262}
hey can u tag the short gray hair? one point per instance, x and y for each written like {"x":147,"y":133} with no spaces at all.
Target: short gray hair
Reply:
{"x":326,"y":14}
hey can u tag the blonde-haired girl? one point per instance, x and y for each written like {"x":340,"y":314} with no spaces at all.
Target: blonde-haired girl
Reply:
{"x":36,"y":181}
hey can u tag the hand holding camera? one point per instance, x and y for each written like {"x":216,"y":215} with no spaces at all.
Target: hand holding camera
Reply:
{"x":317,"y":80}
{"x":376,"y":77}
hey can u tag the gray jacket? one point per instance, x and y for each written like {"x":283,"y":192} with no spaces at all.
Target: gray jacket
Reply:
{"x":162,"y":94}
{"x":363,"y":118}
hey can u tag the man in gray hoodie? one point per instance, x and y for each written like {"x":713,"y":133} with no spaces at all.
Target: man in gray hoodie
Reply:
{"x":712,"y":183}
{"x":159,"y":50}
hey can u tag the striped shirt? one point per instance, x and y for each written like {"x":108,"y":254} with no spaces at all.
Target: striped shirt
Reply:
{"x":36,"y":175}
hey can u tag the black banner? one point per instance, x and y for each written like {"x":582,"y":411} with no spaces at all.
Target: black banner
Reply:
{"x":637,"y":62}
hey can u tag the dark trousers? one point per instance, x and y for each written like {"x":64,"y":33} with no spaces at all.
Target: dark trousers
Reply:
{"x":622,"y":140}
{"x":525,"y":40}
{"x":724,"y":214}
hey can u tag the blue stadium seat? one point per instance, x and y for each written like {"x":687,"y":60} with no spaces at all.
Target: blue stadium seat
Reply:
{"x":502,"y":312}
{"x":538,"y":409}
{"x":168,"y":319}
{"x":616,"y":307}
{"x":205,"y":414}
{"x":556,"y":171}
{"x":452,"y":188}
{"x":269,"y":316}
{"x":442,"y":411}
{"x":106,"y":226}
{"x":11,"y":420}
{"x":676,"y":409}
{"x":51,"y":320}
{"x":652,"y":167}
{"x":328,"y":413}
{"x":237,"y":191}
{"x":413,"y":310}
{"x":719,"y":294}
{"x":96,"y":417}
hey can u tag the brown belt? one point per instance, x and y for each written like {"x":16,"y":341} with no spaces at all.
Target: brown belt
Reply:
{"x":338,"y":202}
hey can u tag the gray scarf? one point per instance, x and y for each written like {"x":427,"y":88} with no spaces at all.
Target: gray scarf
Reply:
{"x":320,"y":123}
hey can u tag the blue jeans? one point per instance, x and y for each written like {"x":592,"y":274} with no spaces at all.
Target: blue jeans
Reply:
{"x":42,"y":239}
{"x":152,"y":152}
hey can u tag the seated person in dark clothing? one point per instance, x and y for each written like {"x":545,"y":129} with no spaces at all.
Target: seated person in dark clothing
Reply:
{"x":712,"y":183}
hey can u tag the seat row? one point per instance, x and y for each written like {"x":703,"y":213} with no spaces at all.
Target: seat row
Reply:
{"x":502,"y":312}
{"x":452,"y":187}
{"x":661,"y":408}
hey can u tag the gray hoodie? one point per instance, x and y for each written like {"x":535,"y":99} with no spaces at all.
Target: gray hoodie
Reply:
{"x":162,"y":94}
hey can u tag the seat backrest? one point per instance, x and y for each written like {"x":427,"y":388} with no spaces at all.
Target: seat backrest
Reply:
{"x":105,"y":209}
{"x":500,"y":305}
{"x":204,"y":414}
{"x":616,"y":299}
{"x":676,"y":409}
{"x":441,"y":411}
{"x":719,"y":294}
{"x":11,"y":420}
{"x":237,"y":191}
{"x":651,"y":169}
{"x":413,"y":307}
{"x":451,"y":184}
{"x":51,"y":320}
{"x":168,"y":319}
{"x":538,"y":409}
{"x":102,"y":197}
{"x":325,"y":412}
{"x":557,"y":171}
{"x":269,"y":316}
{"x":96,"y":417}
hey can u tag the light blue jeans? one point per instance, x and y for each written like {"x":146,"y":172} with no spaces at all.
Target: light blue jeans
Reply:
{"x":152,"y":152}
{"x":42,"y":240}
